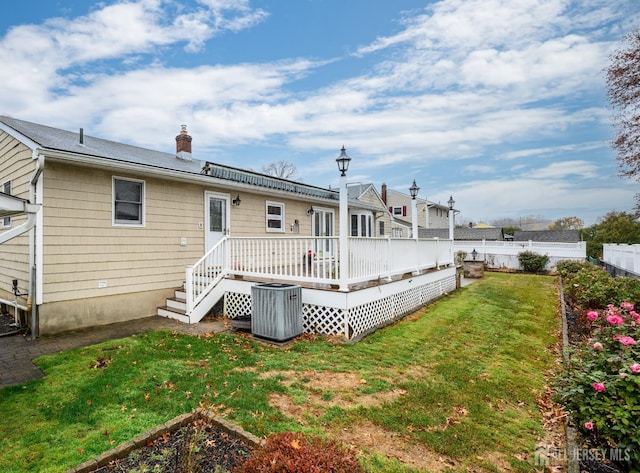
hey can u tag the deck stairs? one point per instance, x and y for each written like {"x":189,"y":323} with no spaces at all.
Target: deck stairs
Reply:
{"x":175,"y":307}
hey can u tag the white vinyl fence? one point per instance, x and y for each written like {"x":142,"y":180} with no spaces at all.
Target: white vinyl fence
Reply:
{"x":504,"y":254}
{"x":626,"y":257}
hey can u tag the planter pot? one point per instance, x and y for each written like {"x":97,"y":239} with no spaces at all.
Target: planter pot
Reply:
{"x":473,"y":269}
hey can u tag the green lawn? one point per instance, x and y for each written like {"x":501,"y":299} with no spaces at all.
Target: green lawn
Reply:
{"x":454,"y":384}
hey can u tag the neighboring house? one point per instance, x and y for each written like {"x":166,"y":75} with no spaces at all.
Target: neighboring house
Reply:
{"x":430,"y":214}
{"x":482,"y":225}
{"x":464,"y":233}
{"x":561,"y":236}
{"x":369,"y":216}
{"x":122,"y":231}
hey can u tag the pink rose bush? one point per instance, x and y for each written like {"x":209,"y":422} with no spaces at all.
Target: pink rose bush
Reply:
{"x":625,"y":340}
{"x":592,"y":315}
{"x":601,"y":379}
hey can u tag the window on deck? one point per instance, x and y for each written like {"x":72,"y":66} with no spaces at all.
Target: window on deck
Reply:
{"x":275,"y":217}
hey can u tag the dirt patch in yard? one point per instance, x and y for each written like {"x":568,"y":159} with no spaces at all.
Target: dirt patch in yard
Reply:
{"x":327,"y":389}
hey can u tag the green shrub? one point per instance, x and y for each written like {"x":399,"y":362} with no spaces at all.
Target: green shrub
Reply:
{"x":627,"y":289}
{"x":600,"y":383}
{"x":297,"y":453}
{"x":591,"y":287}
{"x":532,"y":262}
{"x":566,"y":268}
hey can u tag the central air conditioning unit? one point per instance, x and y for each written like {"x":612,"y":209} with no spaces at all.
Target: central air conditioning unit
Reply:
{"x":276,"y":311}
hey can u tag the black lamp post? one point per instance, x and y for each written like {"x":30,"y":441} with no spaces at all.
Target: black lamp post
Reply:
{"x":343,"y":162}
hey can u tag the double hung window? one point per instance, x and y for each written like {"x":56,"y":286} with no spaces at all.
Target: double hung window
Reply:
{"x":128,"y":202}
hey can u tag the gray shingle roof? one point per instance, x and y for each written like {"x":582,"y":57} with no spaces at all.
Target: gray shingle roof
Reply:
{"x":568,"y":236}
{"x":463,"y":233}
{"x":61,"y":140}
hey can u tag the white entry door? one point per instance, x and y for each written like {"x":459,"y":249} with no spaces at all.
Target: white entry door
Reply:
{"x":216,"y":219}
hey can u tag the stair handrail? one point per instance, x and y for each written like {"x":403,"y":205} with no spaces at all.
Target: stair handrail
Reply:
{"x":204,"y":274}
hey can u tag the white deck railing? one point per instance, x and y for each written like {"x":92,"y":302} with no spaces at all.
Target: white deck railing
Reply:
{"x":206,"y":273}
{"x":312,"y":260}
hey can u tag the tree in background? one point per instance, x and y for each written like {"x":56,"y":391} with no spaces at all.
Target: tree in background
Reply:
{"x":510,"y":230}
{"x":623,"y":90}
{"x":615,"y":227}
{"x":282,"y":169}
{"x":567,"y":223}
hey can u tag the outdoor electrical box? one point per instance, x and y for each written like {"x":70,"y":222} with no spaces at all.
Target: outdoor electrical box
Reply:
{"x":276,"y":311}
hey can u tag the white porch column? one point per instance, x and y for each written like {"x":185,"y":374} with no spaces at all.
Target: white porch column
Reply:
{"x":343,"y":267}
{"x":414,"y":219}
{"x":452,"y":214}
{"x":344,"y":229}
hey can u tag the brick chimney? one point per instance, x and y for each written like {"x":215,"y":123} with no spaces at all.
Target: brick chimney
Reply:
{"x":383,"y":192}
{"x":183,"y":144}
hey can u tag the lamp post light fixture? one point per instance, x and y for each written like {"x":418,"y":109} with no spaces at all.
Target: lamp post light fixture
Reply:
{"x":343,"y":261}
{"x":474,"y":253}
{"x":413,"y":190}
{"x":343,"y":162}
{"x":451,"y":203}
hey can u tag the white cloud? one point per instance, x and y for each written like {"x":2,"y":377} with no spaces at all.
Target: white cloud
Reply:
{"x":565,"y":169}
{"x":554,"y":150}
{"x":466,"y":82}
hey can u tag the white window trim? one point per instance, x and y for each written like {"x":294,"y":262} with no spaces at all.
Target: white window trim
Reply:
{"x":143,"y":204}
{"x":370,"y":223}
{"x":269,"y":216}
{"x":6,"y":221}
{"x":397,"y":210}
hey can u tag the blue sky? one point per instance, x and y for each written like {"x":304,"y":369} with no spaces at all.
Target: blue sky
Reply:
{"x":500,"y":103}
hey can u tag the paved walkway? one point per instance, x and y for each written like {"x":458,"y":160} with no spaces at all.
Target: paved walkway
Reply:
{"x":17,"y":351}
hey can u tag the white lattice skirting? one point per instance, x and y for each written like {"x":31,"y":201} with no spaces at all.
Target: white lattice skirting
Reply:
{"x":357,"y":313}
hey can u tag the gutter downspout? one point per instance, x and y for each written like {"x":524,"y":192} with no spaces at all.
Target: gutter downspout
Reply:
{"x":31,"y":211}
{"x":36,"y":197}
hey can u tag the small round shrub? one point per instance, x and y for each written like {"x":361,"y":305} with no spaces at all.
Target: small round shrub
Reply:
{"x":291,"y":452}
{"x":533,"y":262}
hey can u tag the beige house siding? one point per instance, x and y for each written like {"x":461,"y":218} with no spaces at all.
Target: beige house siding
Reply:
{"x":83,"y":250}
{"x":249,"y":219}
{"x":17,"y":166}
{"x":371,"y":197}
{"x":438,"y":216}
{"x":96,"y":273}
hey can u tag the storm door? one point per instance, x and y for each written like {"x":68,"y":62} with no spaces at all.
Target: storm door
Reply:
{"x":216,"y":218}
